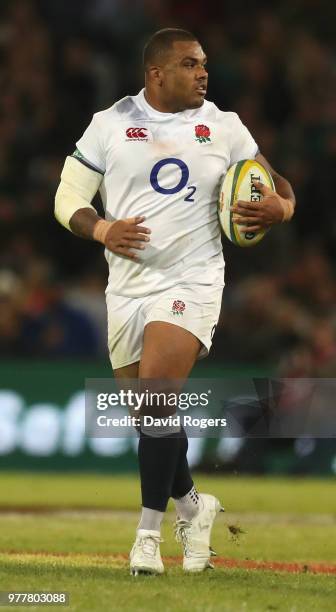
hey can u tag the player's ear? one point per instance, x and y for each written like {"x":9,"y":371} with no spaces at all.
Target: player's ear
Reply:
{"x":155,"y":74}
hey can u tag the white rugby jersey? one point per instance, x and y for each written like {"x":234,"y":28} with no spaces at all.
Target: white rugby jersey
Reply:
{"x":168,"y":167}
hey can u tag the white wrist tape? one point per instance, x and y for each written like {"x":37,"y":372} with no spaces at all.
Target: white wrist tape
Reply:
{"x":288,"y":209}
{"x":76,"y":190}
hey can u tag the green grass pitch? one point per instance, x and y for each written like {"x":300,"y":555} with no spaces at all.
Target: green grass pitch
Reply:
{"x":73,"y":532}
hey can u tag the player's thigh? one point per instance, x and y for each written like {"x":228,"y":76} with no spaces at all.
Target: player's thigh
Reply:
{"x":126,"y":321}
{"x":129,"y":371}
{"x":179,"y":325}
{"x":127,"y":379}
{"x":169,"y":351}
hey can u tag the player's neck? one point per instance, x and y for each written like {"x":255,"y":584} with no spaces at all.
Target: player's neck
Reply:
{"x":159,"y":105}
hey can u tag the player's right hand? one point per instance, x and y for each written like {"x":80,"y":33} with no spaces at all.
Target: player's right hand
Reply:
{"x":127,"y":234}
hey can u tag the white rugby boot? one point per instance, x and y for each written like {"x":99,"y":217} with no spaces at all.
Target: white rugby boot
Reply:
{"x":195,"y":535}
{"x":145,"y":557}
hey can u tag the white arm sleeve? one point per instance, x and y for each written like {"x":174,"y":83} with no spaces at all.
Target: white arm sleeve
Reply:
{"x":243,"y":146}
{"x":79,"y":184}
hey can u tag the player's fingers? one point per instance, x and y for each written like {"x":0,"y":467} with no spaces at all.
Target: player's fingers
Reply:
{"x":141,"y":229}
{"x":252,"y":228}
{"x":246,"y":205}
{"x":245,"y":212}
{"x":243,"y":220}
{"x":132,"y":244}
{"x":135,"y":220}
{"x":135,"y":236}
{"x":122,"y":250}
{"x":264,"y":189}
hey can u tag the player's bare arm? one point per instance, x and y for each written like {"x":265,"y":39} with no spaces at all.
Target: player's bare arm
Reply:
{"x":118,"y":236}
{"x":277,"y":206}
{"x":73,"y":209}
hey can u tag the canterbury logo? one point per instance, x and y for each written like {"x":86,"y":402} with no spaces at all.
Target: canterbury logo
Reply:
{"x":136,"y":132}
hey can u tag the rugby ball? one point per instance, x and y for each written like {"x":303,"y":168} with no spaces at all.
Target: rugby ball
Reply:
{"x":238,"y":185}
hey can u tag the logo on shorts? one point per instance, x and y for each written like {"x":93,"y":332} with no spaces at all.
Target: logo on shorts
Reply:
{"x":202,"y":133}
{"x":137,"y":133}
{"x":178,"y":307}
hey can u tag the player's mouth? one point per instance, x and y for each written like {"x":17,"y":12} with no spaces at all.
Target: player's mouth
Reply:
{"x":201,"y":89}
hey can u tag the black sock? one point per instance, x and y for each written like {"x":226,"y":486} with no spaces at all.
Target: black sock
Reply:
{"x":158,"y":460}
{"x":183,"y":482}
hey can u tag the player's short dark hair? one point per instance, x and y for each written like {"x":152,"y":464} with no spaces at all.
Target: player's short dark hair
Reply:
{"x":161,"y":42}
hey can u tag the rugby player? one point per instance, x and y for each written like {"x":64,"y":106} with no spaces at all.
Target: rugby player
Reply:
{"x":157,"y":159}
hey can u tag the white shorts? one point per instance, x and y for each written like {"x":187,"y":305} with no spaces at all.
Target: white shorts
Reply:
{"x":193,"y":307}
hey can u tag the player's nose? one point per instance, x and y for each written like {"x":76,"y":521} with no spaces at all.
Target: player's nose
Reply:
{"x":202,"y":82}
{"x":202,"y":74}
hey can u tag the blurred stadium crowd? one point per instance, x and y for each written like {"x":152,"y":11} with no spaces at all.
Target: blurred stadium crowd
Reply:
{"x":61,"y":61}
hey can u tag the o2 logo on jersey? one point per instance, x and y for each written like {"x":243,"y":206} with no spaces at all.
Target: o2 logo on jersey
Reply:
{"x":154,"y":178}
